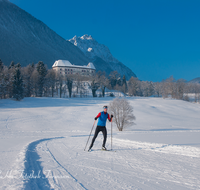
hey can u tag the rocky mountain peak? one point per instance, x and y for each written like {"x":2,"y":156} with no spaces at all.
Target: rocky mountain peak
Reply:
{"x":91,"y":48}
{"x":87,"y":37}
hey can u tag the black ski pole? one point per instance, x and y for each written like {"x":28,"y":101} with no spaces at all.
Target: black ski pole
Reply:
{"x":89,"y":135}
{"x":111,"y":135}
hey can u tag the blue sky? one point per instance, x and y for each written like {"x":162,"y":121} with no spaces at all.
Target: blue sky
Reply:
{"x":154,"y":38}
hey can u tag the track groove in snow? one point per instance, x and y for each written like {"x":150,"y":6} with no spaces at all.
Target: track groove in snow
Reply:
{"x":76,"y":180}
{"x":33,"y":166}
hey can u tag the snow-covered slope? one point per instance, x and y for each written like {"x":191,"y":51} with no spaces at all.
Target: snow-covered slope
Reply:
{"x":25,"y":39}
{"x":42,"y":142}
{"x":100,"y":55}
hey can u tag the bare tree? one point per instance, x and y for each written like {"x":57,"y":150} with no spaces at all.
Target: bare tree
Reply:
{"x":94,"y":87}
{"x":78,"y":83}
{"x":50,"y":81}
{"x":123,"y":113}
{"x":180,"y":88}
{"x":169,"y":87}
{"x":147,"y":88}
{"x":59,"y":84}
{"x":34,"y":81}
{"x":69,"y":83}
{"x":102,"y":80}
{"x":27,"y":73}
{"x":132,"y":86}
{"x":197,"y":92}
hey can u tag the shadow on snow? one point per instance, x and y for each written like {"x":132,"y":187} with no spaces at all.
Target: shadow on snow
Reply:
{"x":34,"y":175}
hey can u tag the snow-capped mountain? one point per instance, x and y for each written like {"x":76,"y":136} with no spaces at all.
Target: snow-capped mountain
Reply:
{"x":92,"y":48}
{"x":26,"y":39}
{"x":100,"y":55}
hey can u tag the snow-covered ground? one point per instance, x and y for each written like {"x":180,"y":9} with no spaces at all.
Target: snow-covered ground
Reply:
{"x":42,"y":142}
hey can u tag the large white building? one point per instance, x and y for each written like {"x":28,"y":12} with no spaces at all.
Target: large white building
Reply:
{"x":64,"y":67}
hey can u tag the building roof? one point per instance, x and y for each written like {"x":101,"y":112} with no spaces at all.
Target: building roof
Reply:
{"x":90,"y":65}
{"x":61,"y":63}
{"x":66,"y":63}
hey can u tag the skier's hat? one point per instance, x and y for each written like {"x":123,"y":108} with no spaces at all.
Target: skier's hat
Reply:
{"x":105,"y":107}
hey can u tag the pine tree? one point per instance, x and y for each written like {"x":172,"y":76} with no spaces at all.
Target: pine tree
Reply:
{"x":1,"y":78}
{"x":12,"y":65}
{"x":1,"y":66}
{"x":51,"y":81}
{"x":42,"y":71}
{"x":114,"y":75}
{"x":124,"y":84}
{"x":69,"y":83}
{"x":18,"y":65}
{"x":119,"y":82}
{"x":9,"y":78}
{"x":27,"y":76}
{"x":17,"y":85}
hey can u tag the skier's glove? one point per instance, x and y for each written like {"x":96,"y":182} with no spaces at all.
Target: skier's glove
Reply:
{"x":95,"y":118}
{"x":111,"y":116}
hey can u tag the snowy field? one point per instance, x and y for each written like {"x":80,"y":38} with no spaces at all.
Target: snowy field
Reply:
{"x":42,"y":142}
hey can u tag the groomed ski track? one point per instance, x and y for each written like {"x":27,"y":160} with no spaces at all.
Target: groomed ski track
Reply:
{"x":39,"y":179}
{"x":135,"y":165}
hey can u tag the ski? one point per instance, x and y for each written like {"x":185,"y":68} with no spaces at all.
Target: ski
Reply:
{"x":108,"y":150}
{"x":91,"y":150}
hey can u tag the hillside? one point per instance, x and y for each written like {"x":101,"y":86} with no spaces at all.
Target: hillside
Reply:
{"x":25,"y":39}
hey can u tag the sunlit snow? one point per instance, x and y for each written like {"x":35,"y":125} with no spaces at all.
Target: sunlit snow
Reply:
{"x":42,"y":143}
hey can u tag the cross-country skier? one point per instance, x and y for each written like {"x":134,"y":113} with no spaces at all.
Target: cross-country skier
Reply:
{"x":101,"y":126}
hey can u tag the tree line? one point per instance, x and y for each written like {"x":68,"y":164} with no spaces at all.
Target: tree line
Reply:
{"x":35,"y":80}
{"x":170,"y":87}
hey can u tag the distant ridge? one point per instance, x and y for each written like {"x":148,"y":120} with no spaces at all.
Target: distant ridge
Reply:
{"x":196,"y":80}
{"x":26,"y":39}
